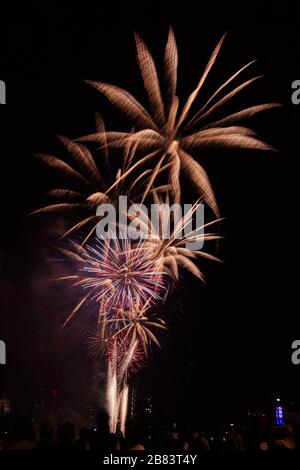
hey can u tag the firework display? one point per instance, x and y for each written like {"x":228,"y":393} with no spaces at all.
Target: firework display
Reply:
{"x":127,"y":279}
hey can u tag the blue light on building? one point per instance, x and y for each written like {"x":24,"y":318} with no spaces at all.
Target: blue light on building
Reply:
{"x":279,"y":416}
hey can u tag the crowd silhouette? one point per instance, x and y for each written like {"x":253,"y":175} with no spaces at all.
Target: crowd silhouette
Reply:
{"x":27,"y":435}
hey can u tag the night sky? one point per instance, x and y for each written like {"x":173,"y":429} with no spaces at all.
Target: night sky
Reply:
{"x":230,"y":344}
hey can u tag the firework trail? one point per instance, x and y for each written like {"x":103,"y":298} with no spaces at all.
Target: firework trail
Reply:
{"x":124,"y":409}
{"x":117,"y":388}
{"x":112,"y":396}
{"x":117,"y":400}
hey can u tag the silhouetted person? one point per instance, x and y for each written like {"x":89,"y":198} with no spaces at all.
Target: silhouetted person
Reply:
{"x":22,"y":435}
{"x":47,"y":436}
{"x":65,"y":436}
{"x":101,"y":439}
{"x":83,"y":443}
{"x":136,"y":437}
{"x":171,"y":440}
{"x":199,"y":441}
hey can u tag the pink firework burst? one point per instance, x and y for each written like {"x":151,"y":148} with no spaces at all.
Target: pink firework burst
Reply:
{"x":120,"y":273}
{"x":116,"y":274}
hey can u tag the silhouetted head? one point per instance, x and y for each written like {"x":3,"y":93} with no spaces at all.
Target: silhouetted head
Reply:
{"x":65,"y":431}
{"x":84,"y":434}
{"x":138,"y":434}
{"x":103,"y":421}
{"x":22,"y":428}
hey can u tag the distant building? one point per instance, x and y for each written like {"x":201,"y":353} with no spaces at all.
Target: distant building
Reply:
{"x":2,"y":353}
{"x":2,"y":92}
{"x":5,"y":406}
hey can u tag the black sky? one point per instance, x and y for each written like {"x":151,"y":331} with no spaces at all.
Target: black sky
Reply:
{"x":230,"y":348}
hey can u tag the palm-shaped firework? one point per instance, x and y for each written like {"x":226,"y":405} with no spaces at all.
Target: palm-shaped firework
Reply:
{"x":169,"y":131}
{"x":93,"y":180}
{"x":172,"y":252}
